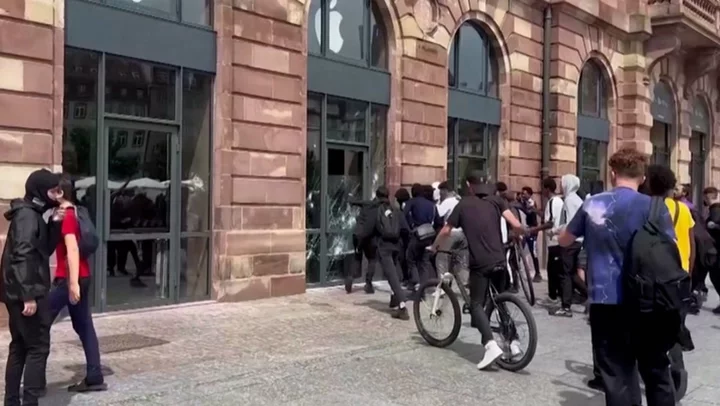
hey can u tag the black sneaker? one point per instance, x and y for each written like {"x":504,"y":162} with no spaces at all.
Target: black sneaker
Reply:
{"x":596,"y":384}
{"x":561,"y":312}
{"x":369,"y":288}
{"x":137,"y":283}
{"x":466,"y":309}
{"x":401,"y":314}
{"x":348,"y":285}
{"x":537,"y":278}
{"x":84,"y":386}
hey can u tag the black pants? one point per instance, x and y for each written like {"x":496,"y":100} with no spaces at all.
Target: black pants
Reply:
{"x":28,"y":353}
{"x":569,"y":278}
{"x":368,"y":251}
{"x":622,"y":346}
{"x":388,"y":260}
{"x":699,"y":275}
{"x":554,"y":270}
{"x":418,"y":259}
{"x":479,"y":282}
{"x":82,"y":322}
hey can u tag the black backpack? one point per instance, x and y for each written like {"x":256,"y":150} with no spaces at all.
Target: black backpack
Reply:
{"x":388,"y":222}
{"x":89,"y":240}
{"x":654,"y":280}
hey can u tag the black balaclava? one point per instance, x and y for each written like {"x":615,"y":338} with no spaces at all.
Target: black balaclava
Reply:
{"x":37,"y":186}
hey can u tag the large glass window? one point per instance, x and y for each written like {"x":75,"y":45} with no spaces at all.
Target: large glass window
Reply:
{"x":345,"y":160}
{"x":592,"y":162}
{"x":593,"y":127}
{"x":472,"y":64}
{"x":472,"y":139}
{"x":349,"y":30}
{"x":190,"y":11}
{"x":144,"y":174}
{"x":471,"y":146}
{"x":660,"y":139}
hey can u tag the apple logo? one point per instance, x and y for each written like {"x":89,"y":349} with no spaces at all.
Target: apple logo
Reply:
{"x":336,"y":39}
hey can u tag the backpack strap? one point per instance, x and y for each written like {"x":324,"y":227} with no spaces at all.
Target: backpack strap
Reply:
{"x":656,"y":203}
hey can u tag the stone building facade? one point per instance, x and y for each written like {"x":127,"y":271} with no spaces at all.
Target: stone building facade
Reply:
{"x":315,"y":103}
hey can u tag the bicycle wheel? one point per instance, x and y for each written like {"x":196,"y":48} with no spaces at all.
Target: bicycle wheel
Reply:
{"x":514,"y":358}
{"x":523,"y":274}
{"x":424,"y":303}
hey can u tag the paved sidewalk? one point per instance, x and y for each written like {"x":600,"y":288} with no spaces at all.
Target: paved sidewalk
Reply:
{"x":328,"y":348}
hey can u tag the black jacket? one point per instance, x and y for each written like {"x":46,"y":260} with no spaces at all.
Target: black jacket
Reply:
{"x":368,"y":232}
{"x":25,"y":262}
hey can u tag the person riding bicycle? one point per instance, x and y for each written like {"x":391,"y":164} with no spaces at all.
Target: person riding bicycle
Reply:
{"x":453,"y":254}
{"x":479,"y":216}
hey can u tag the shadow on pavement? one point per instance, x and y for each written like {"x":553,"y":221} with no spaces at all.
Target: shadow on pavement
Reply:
{"x":580,"y":368}
{"x":377,"y":305}
{"x":57,"y":393}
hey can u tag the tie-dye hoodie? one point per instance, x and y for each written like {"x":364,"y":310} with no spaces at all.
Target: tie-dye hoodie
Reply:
{"x":572,"y":202}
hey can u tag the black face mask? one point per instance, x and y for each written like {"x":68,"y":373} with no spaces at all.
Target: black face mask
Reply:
{"x":37,"y":186}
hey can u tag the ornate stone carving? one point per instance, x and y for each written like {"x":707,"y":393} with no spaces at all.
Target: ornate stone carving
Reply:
{"x":426,"y":14}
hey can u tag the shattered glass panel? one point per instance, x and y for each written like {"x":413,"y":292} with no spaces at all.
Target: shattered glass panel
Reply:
{"x":346,"y":119}
{"x":345,"y":186}
{"x":312,"y":259}
{"x":378,"y":136}
{"x":313,"y":165}
{"x":340,"y":255}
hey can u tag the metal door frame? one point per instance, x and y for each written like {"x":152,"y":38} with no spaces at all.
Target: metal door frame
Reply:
{"x":103,"y":214}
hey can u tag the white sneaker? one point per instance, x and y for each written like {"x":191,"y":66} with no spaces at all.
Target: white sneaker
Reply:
{"x":515,"y":349}
{"x":492,"y":352}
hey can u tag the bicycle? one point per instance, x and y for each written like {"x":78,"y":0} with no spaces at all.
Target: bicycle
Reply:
{"x":506,"y":325}
{"x":522,"y":275}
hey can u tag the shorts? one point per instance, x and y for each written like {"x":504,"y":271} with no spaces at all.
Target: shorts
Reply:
{"x":582,"y":260}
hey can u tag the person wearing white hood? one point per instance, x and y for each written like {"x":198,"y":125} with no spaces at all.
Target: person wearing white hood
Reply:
{"x":572,"y":202}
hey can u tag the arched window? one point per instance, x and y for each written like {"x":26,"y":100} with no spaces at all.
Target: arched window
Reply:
{"x":663,"y":113}
{"x":593,"y":127}
{"x":348,"y":99}
{"x":473,"y":105}
{"x":700,"y":125}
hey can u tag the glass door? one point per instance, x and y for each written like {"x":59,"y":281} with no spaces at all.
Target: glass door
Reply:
{"x":140,"y":227}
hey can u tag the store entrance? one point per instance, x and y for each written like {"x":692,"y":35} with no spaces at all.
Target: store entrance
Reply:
{"x":139,"y":206}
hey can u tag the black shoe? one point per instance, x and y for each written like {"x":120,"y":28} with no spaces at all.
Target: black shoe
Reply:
{"x":596,"y":384}
{"x":561,"y":312}
{"x":537,"y":278}
{"x":466,"y":309}
{"x":137,"y":283}
{"x":401,"y":314}
{"x":369,"y":288}
{"x":84,"y":386}
{"x":348,"y":285}
{"x":694,"y":310}
{"x":393,"y":303}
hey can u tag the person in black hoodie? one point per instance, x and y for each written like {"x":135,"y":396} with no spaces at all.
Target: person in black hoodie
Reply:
{"x":387,"y":246}
{"x":401,"y":197}
{"x":362,"y":248}
{"x":712,"y":199}
{"x":25,"y":285}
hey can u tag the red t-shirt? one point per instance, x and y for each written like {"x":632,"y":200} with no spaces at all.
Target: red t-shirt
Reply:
{"x":69,"y":226}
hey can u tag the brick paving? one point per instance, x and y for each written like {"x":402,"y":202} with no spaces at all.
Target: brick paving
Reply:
{"x":329,"y":348}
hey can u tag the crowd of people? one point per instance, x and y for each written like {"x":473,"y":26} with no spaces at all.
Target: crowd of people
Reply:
{"x":589,"y":238}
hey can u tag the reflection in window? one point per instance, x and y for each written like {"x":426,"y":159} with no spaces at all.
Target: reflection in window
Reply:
{"x":194,"y":266}
{"x":378,"y":154}
{"x":346,"y":120}
{"x":196,"y":11}
{"x":313,"y":202}
{"x":698,"y":156}
{"x":139,"y":88}
{"x":312,"y":258}
{"x":592,"y":158}
{"x":151,"y":6}
{"x":345,"y":186}
{"x":592,"y":98}
{"x":471,"y":146}
{"x":472,"y":65}
{"x":196,"y":152}
{"x":660,"y":139}
{"x":354,"y":31}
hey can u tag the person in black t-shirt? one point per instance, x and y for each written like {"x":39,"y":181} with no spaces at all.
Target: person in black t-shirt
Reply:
{"x":479,"y":217}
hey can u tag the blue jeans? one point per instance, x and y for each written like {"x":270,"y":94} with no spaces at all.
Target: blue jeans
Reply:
{"x":82,"y":323}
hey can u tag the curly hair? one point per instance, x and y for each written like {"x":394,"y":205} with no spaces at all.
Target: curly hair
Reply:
{"x":628,"y":163}
{"x":660,"y":180}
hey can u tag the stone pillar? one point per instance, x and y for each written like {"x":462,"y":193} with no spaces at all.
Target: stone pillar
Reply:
{"x":260,"y":150}
{"x":31,"y":87}
{"x":634,"y":118}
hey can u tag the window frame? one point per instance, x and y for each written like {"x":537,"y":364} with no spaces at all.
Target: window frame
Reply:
{"x":489,"y":66}
{"x":366,"y":61}
{"x":453,"y":159}
{"x":600,"y":92}
{"x":174,"y":15}
{"x":581,"y":165}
